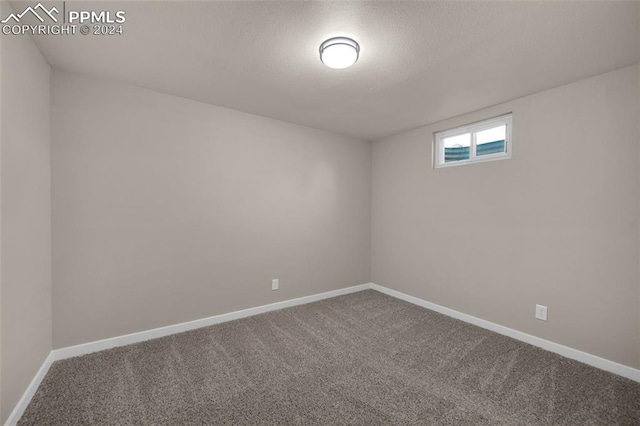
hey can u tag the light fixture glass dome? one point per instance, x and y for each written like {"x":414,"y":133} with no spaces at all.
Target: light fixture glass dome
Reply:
{"x":339,"y":52}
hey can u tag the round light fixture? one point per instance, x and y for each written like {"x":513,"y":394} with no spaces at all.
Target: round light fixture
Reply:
{"x":339,"y":52}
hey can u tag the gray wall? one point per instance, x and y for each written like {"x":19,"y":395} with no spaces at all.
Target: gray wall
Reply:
{"x":168,"y":210}
{"x":25,"y":266}
{"x":556,"y":225}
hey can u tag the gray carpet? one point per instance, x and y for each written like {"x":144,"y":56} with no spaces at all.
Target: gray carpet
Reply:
{"x":361,"y":359}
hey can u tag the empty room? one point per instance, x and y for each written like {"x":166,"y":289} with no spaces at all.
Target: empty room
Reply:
{"x":319,"y":213}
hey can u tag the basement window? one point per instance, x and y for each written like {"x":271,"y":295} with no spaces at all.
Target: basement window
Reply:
{"x":485,"y":140}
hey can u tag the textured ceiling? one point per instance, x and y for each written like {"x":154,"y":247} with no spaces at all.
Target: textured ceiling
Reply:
{"x":420,"y":62}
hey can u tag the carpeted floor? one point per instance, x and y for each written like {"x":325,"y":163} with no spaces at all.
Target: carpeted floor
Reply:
{"x":361,"y":359}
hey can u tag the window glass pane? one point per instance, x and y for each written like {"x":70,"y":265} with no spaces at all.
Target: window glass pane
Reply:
{"x":456,"y":148}
{"x":491,"y":141}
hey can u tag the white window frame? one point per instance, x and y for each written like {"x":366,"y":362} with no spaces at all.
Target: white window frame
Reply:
{"x":473,"y":128}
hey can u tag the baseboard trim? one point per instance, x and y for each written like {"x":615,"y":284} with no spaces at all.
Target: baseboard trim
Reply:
{"x":584,"y":357}
{"x":99,"y":345}
{"x":128,"y":339}
{"x":24,"y":401}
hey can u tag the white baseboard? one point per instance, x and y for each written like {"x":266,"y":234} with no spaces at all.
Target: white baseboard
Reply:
{"x":127,"y":339}
{"x":99,"y":345}
{"x":584,"y":357}
{"x":24,"y":401}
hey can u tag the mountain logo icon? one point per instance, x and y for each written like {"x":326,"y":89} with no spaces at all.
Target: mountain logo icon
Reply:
{"x":34,"y":11}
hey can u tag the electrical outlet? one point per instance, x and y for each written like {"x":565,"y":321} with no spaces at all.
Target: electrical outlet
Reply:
{"x":275,"y":284}
{"x":541,"y":312}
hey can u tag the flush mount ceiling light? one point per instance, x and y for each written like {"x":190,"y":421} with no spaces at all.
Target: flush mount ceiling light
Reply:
{"x":339,"y":52}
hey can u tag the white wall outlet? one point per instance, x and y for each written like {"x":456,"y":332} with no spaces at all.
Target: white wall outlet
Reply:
{"x":541,"y":312}
{"x":275,"y":284}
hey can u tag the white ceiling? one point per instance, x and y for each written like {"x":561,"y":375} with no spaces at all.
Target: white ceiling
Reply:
{"x":420,"y":62}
